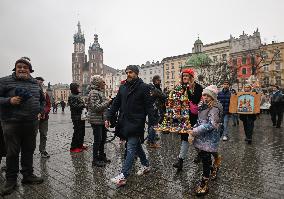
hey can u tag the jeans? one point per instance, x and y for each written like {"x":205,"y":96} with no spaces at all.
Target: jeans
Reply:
{"x":206,"y":162}
{"x":99,"y":132}
{"x":42,"y":128}
{"x":79,"y":134}
{"x":248,"y":127}
{"x":183,"y":150}
{"x":19,"y":137}
{"x":226,"y":123}
{"x":235,"y":118}
{"x":279,"y":115}
{"x":151,"y":134}
{"x":134,"y":147}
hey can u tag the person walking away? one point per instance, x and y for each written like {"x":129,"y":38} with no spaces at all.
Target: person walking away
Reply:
{"x":158,"y":100}
{"x":43,"y":122}
{"x":21,"y":102}
{"x":277,"y":106}
{"x":77,"y":105}
{"x":63,"y":105}
{"x":224,"y":98}
{"x":133,"y":102}
{"x":248,"y":120}
{"x":206,"y":134}
{"x":97,"y":106}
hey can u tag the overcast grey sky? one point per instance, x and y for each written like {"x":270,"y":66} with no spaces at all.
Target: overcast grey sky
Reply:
{"x":130,"y":31}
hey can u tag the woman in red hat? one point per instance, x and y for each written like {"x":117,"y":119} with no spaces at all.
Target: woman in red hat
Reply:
{"x":194,"y":92}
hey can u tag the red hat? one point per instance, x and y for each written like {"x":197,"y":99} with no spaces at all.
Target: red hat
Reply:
{"x":122,"y":82}
{"x":189,"y":71}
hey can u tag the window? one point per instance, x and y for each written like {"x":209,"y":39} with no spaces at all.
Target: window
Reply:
{"x":244,"y":60}
{"x":235,"y":61}
{"x":224,"y":57}
{"x":173,"y":75}
{"x":167,"y":66}
{"x":150,"y":72}
{"x":244,"y":71}
{"x":214,"y":58}
{"x":278,"y":80}
{"x":266,"y":80}
{"x":173,"y":65}
{"x":265,"y":68}
{"x":277,"y":66}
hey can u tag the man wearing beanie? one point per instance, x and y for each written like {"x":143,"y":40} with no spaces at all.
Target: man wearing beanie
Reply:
{"x":21,"y":102}
{"x":133,"y":102}
{"x":77,"y":105}
{"x":194,"y":92}
{"x":207,"y":136}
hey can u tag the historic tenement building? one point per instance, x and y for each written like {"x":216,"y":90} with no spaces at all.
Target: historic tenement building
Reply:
{"x":83,"y":68}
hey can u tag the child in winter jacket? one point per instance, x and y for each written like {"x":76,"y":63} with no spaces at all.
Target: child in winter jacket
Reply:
{"x":206,"y":133}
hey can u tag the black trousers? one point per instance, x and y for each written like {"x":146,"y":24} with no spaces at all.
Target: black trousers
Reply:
{"x":79,"y":134}
{"x":100,"y":133}
{"x":206,"y":162}
{"x":278,"y":115}
{"x":248,"y":127}
{"x":19,"y":137}
{"x":2,"y":144}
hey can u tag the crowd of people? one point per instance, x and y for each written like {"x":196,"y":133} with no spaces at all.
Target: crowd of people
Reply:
{"x":25,"y":107}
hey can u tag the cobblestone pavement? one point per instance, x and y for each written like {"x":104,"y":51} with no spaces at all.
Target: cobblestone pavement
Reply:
{"x":247,"y":171}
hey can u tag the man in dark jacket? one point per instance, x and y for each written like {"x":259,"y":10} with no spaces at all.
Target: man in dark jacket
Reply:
{"x":21,"y":102}
{"x":158,"y":99}
{"x":277,"y":106}
{"x":43,"y":122}
{"x":77,"y":105}
{"x":224,"y":98}
{"x":134,"y":103}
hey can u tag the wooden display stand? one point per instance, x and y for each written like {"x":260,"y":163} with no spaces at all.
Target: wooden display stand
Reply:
{"x":245,"y":103}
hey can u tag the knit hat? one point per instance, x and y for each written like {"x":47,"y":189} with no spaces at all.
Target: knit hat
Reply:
{"x":134,"y":68}
{"x":24,"y":60}
{"x":189,"y":71}
{"x":95,"y":81}
{"x":212,"y":91}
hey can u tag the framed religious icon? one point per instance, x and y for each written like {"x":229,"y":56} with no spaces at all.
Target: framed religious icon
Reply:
{"x":245,"y":103}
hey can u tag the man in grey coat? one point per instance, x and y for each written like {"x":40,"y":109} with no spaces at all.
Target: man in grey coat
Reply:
{"x":21,"y":102}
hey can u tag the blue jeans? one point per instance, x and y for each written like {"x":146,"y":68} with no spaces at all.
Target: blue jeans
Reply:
{"x":134,"y":147}
{"x":226,"y":122}
{"x":235,"y":118}
{"x":151,"y":134}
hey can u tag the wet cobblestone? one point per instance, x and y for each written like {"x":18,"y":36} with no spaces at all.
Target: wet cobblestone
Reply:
{"x":247,"y":171}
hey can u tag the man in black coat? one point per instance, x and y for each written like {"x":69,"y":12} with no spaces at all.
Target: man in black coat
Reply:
{"x":134,"y":103}
{"x":21,"y":104}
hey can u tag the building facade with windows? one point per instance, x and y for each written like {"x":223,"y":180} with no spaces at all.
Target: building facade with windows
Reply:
{"x":272,"y":72}
{"x":149,"y":70}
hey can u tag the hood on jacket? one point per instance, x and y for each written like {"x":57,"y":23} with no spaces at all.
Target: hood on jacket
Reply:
{"x":96,"y":80}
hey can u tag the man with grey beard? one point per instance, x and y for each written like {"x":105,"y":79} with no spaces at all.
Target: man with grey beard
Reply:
{"x":21,"y":105}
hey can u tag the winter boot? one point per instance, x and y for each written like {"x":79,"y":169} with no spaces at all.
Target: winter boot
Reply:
{"x":178,"y":164}
{"x":103,"y":158}
{"x":215,"y":168}
{"x":8,"y":188}
{"x":202,"y":187}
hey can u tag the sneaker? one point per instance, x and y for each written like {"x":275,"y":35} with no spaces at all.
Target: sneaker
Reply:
{"x":76,"y":150}
{"x":225,"y":138}
{"x":202,"y":188}
{"x":8,"y":188}
{"x":119,"y":180}
{"x":32,"y":179}
{"x":44,"y":155}
{"x":143,"y":170}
